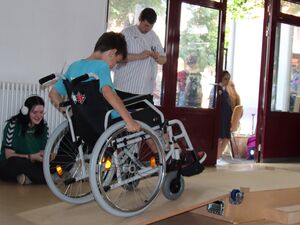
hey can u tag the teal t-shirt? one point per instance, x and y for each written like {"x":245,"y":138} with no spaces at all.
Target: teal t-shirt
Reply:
{"x":22,"y":144}
{"x":97,"y":67}
{"x":84,"y":66}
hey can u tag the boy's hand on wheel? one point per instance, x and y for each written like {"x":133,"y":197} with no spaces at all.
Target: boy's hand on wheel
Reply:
{"x":133,"y":126}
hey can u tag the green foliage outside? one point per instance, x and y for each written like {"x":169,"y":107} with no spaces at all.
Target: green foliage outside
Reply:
{"x":203,"y":45}
{"x":119,"y":10}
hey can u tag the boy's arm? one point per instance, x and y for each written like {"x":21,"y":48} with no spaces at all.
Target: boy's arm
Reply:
{"x":115,"y":101}
{"x":55,"y":97}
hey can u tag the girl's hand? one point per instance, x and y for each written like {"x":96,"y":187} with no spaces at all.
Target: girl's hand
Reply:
{"x":37,"y":157}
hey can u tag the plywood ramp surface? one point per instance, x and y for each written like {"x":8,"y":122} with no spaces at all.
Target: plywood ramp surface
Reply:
{"x":199,"y":191}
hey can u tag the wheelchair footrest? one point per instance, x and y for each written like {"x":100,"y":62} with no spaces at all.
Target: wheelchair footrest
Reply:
{"x":192,"y":169}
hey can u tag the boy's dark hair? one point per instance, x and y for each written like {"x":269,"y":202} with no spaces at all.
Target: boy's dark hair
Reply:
{"x":148,"y":14}
{"x":112,"y":40}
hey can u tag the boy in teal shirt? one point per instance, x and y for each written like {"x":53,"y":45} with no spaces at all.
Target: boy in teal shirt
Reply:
{"x":110,"y":49}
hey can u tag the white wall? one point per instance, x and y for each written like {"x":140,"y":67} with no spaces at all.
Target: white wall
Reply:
{"x":38,"y":37}
{"x":245,"y":67}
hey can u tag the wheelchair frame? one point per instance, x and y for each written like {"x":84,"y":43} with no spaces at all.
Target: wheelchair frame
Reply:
{"x":125,"y":154}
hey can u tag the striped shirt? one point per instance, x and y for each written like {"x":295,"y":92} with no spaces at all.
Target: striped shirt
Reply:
{"x":138,"y":77}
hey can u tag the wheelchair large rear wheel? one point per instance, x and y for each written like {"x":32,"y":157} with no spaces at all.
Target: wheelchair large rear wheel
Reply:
{"x":125,"y":173}
{"x":63,"y":169}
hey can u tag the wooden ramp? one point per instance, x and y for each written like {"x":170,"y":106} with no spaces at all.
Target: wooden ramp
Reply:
{"x":211,"y":185}
{"x":281,"y":206}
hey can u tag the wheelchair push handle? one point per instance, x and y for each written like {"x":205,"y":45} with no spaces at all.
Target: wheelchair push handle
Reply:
{"x":79,"y":79}
{"x":45,"y":79}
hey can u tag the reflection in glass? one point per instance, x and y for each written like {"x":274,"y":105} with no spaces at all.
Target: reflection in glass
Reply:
{"x":197,"y":55}
{"x":286,"y":89}
{"x":290,"y":8}
{"x":125,"y":13}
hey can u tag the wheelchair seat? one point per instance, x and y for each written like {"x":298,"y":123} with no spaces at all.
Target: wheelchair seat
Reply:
{"x":88,"y":107}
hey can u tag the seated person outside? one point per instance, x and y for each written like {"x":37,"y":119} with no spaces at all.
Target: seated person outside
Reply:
{"x":110,"y":49}
{"x":24,"y":140}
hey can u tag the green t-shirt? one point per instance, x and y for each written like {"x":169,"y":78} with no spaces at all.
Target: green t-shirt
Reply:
{"x":22,"y":144}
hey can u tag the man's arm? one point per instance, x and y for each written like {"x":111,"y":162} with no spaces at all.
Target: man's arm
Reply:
{"x":160,"y":59}
{"x":140,"y":56}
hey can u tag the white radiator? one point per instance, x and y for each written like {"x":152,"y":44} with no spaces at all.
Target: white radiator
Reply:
{"x":12,"y":96}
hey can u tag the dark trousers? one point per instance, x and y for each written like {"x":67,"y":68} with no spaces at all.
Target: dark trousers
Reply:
{"x":14,"y":166}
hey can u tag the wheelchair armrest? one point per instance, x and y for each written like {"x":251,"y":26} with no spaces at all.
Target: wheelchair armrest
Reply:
{"x":134,"y":99}
{"x":130,"y":101}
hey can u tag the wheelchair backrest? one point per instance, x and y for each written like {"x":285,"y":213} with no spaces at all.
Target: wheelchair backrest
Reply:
{"x":88,"y":107}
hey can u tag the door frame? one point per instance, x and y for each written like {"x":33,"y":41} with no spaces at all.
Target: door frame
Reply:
{"x":275,"y":130}
{"x":169,"y":80}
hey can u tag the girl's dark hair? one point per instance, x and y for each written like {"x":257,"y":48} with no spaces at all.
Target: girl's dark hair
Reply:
{"x":112,"y":40}
{"x":225,"y":72}
{"x":148,"y":14}
{"x":24,"y":120}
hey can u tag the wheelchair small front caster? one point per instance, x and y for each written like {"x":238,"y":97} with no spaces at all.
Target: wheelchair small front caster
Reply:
{"x":173,"y":185}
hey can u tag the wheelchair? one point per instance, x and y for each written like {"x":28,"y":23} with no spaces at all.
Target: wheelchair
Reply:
{"x":91,"y":156}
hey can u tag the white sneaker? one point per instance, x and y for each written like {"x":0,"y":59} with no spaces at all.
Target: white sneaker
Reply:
{"x":23,"y":179}
{"x":221,"y":162}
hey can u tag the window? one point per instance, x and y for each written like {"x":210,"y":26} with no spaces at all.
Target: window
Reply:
{"x":288,"y":7}
{"x":125,"y":13}
{"x":286,"y":86}
{"x":197,"y":56}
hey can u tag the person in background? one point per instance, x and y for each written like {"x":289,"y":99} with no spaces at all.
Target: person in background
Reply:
{"x":137,"y":74}
{"x":225,"y":116}
{"x":181,"y":82}
{"x":184,"y":69}
{"x":193,"y":90}
{"x":24,"y":139}
{"x":233,"y":95}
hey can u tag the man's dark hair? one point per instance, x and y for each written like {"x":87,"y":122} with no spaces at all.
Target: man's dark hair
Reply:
{"x":148,"y":14}
{"x":112,"y":40}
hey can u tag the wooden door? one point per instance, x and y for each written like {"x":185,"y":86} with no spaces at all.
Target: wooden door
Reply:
{"x":195,"y":45}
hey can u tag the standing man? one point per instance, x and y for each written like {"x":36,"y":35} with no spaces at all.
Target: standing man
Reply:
{"x":136,"y":76}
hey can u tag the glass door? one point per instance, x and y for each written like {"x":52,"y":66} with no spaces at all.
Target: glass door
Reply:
{"x":280,"y":89}
{"x":196,"y":66}
{"x":195,"y":46}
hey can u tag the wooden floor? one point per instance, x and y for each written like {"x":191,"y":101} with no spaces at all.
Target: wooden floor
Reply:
{"x":35,"y":204}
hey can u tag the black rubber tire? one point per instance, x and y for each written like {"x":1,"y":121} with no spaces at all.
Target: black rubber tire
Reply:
{"x":172,"y":187}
